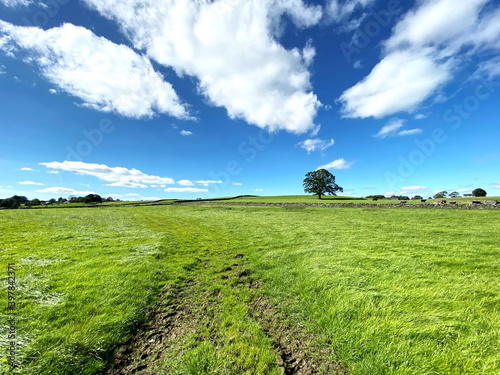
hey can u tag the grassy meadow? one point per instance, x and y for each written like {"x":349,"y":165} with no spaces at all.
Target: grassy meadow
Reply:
{"x":249,"y":290}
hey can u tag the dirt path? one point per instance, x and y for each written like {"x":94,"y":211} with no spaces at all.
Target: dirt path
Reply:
{"x":185,"y":310}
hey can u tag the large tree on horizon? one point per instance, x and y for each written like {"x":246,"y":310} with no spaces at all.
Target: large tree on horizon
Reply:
{"x":321,"y":182}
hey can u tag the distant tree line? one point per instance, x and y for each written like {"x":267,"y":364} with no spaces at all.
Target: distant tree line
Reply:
{"x":440,"y":195}
{"x":17,"y":201}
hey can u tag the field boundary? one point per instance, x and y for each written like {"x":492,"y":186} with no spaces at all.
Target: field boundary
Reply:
{"x":353,"y":205}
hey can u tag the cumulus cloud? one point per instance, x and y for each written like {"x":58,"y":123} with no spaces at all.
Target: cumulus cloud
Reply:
{"x":62,"y":190}
{"x":117,"y":176}
{"x":259,"y":190}
{"x":337,"y":164}
{"x":400,"y":82}
{"x":231,"y":47}
{"x":186,"y":132}
{"x":237,"y":184}
{"x":105,"y":76}
{"x":311,"y":145}
{"x":28,"y":169}
{"x":29,"y":183}
{"x":428,"y":45}
{"x":186,"y":190}
{"x":394,"y":129}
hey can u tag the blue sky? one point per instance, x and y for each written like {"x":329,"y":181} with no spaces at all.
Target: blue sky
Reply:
{"x":184,"y":99}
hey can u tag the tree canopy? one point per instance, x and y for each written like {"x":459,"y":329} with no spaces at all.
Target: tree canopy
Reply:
{"x":321,"y":182}
{"x":479,"y":192}
{"x":441,"y":194}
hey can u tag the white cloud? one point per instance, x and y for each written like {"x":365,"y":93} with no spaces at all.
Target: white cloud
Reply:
{"x":435,"y":22}
{"x":337,"y":164}
{"x":186,"y":132}
{"x":414,"y":188}
{"x":428,"y":46}
{"x":491,"y":68}
{"x":410,"y":132}
{"x":28,"y":169}
{"x":231,"y":47}
{"x":53,"y":91}
{"x":394,"y":129}
{"x":185,"y":183}
{"x":117,"y":176}
{"x":340,"y":10}
{"x":30,"y":183}
{"x":311,"y":145}
{"x":10,"y":187}
{"x":3,"y":69}
{"x":259,"y":190}
{"x":186,"y":190}
{"x":400,"y":82}
{"x":62,"y":190}
{"x":105,"y":76}
{"x":208,"y":182}
{"x":16,"y":3}
{"x":54,"y":172}
{"x":237,"y":184}
{"x":132,"y":195}
{"x":127,"y":184}
{"x":420,"y":116}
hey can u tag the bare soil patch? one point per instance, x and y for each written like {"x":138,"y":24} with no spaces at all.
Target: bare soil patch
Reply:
{"x":181,"y":309}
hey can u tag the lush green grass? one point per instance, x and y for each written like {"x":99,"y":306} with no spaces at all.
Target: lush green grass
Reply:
{"x":390,"y":291}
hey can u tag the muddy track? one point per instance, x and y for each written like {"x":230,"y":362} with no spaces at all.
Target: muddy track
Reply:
{"x":179,"y":311}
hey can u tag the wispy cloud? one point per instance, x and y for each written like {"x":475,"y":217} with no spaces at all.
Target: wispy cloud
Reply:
{"x":394,"y":129}
{"x":117,"y":176}
{"x":16,"y":3}
{"x":311,"y":145}
{"x":30,"y":183}
{"x":186,"y":190}
{"x":337,"y":164}
{"x":63,"y":190}
{"x":208,"y":182}
{"x":186,"y":133}
{"x":127,"y":184}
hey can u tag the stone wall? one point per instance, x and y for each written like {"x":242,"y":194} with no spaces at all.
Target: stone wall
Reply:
{"x":356,"y":205}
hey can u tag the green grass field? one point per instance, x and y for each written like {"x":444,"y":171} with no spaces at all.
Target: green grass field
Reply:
{"x":253,"y":290}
